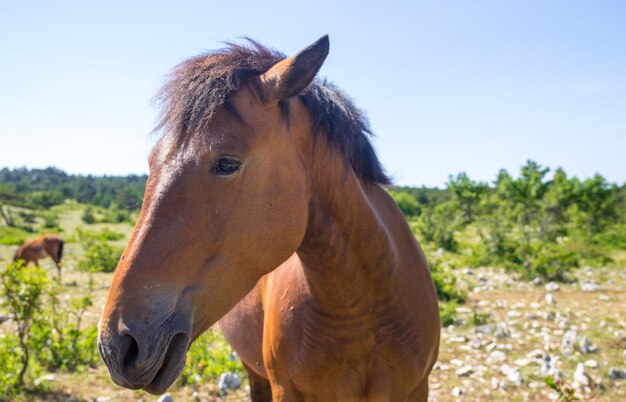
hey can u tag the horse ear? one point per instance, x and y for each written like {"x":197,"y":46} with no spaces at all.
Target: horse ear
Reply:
{"x":290,"y":76}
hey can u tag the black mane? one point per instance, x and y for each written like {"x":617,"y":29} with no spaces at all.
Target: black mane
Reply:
{"x":197,"y":87}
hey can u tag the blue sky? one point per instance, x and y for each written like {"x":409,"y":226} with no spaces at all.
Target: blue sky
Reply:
{"x":449,"y":86}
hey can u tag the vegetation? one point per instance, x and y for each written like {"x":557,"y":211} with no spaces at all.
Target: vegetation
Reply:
{"x":533,"y":224}
{"x":44,"y":188}
{"x":536,"y":223}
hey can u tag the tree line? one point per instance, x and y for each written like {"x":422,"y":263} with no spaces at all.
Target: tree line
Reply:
{"x":43,"y":188}
{"x":539,"y":222}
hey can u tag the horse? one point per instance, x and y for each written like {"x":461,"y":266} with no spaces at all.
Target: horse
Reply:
{"x":32,"y":250}
{"x":265,"y":209}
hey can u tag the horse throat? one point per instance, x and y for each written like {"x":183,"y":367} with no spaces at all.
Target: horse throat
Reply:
{"x":347,"y":252}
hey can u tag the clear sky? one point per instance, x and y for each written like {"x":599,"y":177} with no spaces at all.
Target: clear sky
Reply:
{"x":449,"y":86}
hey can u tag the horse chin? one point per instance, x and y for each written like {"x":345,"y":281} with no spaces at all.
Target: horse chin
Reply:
{"x":172,"y":366}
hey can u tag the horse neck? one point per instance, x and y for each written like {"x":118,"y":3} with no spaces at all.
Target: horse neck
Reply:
{"x":346,"y":252}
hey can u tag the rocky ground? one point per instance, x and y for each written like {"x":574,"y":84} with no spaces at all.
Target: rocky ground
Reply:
{"x":513,"y":335}
{"x":510,"y":336}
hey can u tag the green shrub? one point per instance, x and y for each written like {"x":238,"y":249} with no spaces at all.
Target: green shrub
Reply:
{"x":45,"y":199}
{"x":11,"y":356}
{"x":437,"y":226}
{"x":209,"y":356}
{"x":22,"y":290}
{"x":546,"y":260}
{"x":447,"y":313}
{"x":445,"y":283}
{"x":60,"y":338}
{"x":554,"y":262}
{"x":50,"y":220}
{"x":115,"y":215}
{"x":406,"y":202}
{"x":100,"y":256}
{"x":88,"y":216}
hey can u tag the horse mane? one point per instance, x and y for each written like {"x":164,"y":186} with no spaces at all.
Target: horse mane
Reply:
{"x":198,"y":86}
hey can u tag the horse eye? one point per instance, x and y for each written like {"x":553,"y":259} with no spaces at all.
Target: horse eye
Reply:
{"x":225,"y":166}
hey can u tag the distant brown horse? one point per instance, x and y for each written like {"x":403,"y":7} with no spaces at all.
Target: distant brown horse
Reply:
{"x":265,"y":207}
{"x":33,"y":250}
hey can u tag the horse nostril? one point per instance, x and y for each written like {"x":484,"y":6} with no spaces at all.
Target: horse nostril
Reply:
{"x":129,"y":351}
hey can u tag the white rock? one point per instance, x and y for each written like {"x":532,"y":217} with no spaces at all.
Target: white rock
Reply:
{"x":505,"y":369}
{"x":552,"y":287}
{"x":494,"y":382}
{"x":580,"y":376}
{"x":497,"y":356}
{"x":491,"y":346}
{"x":502,"y":331}
{"x":457,"y":339}
{"x":228,"y":381}
{"x":457,"y":392}
{"x":535,"y":354}
{"x":456,"y":362}
{"x":515,"y":377}
{"x":550,"y":299}
{"x":617,"y":373}
{"x":585,"y":346}
{"x":514,"y":314}
{"x":589,"y":286}
{"x":165,"y":398}
{"x":465,"y":371}
{"x":568,"y":342}
{"x":547,"y":366}
{"x":592,"y":363}
{"x":484,"y":329}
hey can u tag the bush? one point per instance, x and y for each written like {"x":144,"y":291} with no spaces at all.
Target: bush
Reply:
{"x":60,"y":338}
{"x":22,"y":288}
{"x":88,"y":217}
{"x":437,"y":226}
{"x":546,"y":260}
{"x":209,"y":356}
{"x":445,"y":283}
{"x":407,"y":203}
{"x":447,"y":313}
{"x":50,"y":220}
{"x":554,"y":262}
{"x":115,"y":215}
{"x":11,"y":358}
{"x":101,"y":256}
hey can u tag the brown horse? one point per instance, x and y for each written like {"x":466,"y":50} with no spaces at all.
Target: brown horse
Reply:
{"x":33,"y":250}
{"x":264,"y":207}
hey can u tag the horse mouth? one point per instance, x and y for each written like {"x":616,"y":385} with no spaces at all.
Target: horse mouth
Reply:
{"x":171,"y":367}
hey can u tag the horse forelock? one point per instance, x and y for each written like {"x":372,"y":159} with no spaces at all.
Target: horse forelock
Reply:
{"x":198,"y":86}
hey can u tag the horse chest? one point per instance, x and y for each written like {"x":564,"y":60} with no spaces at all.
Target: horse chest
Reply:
{"x":344,"y":360}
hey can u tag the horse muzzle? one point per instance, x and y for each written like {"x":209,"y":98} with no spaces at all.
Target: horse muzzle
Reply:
{"x":144,"y":359}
